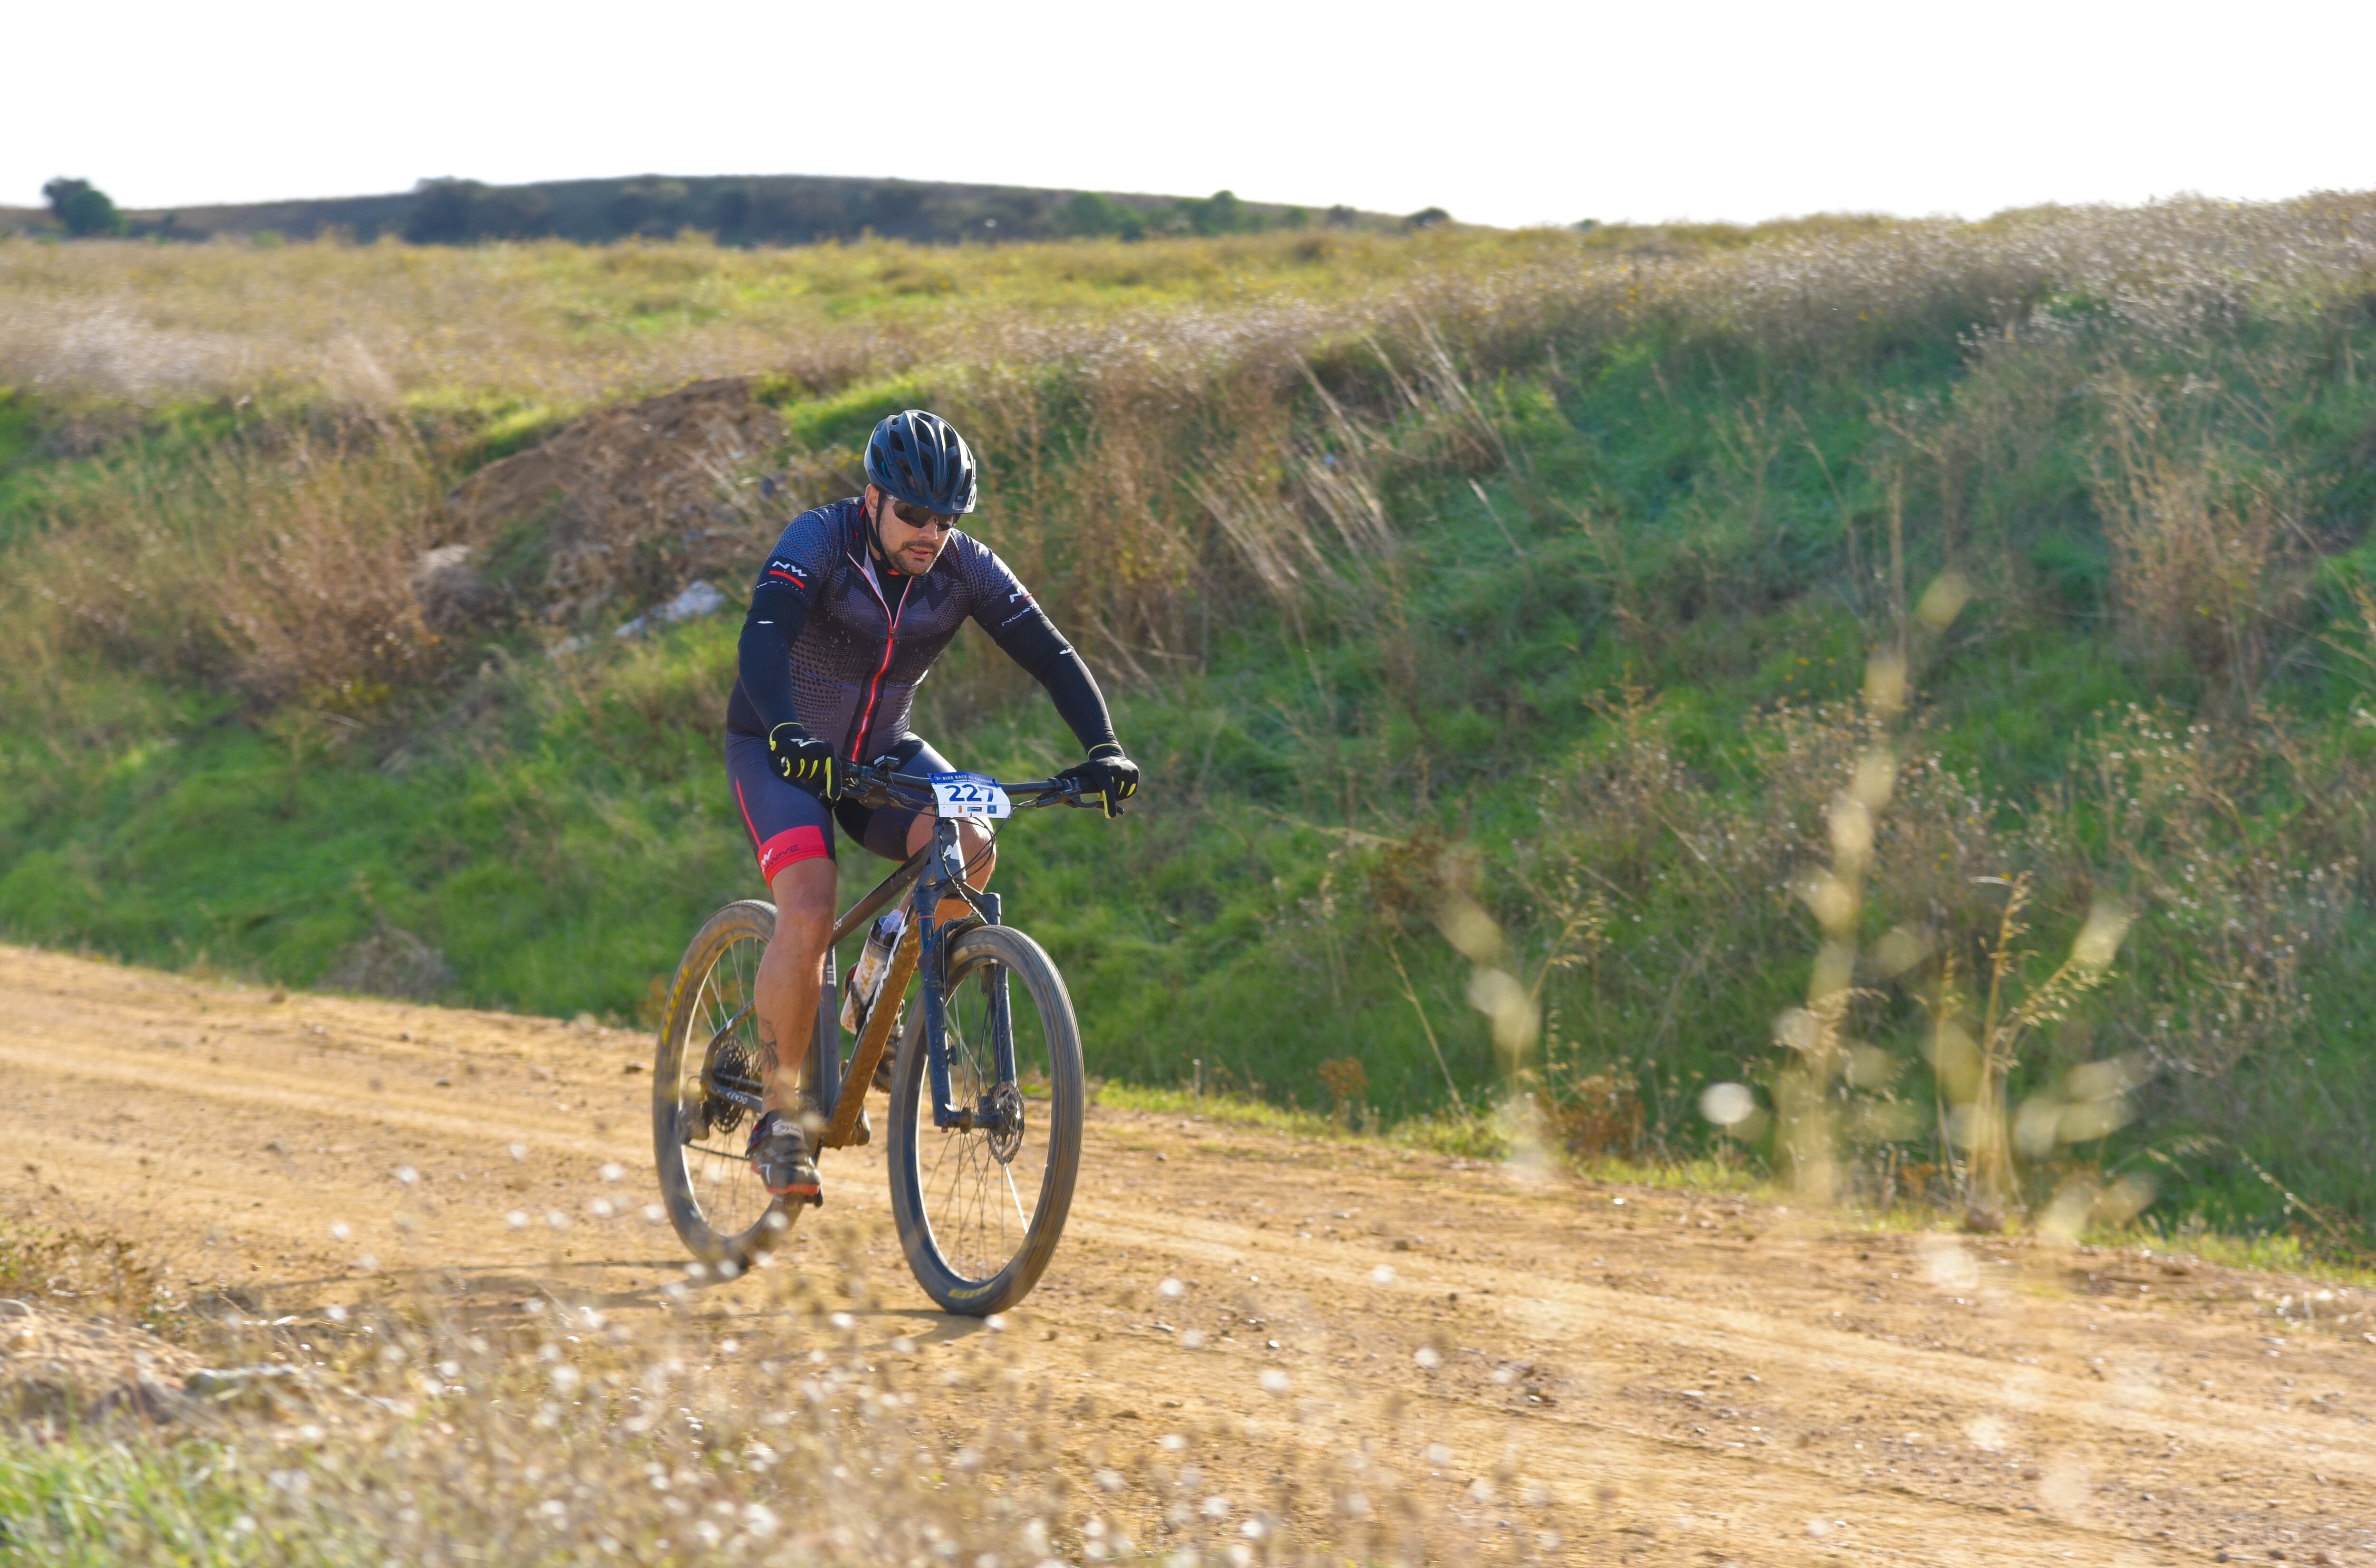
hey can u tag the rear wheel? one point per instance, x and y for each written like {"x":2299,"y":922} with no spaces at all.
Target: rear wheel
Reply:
{"x":704,"y":1088}
{"x":980,"y":1210}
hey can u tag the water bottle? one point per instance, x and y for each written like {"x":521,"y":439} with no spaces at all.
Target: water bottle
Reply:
{"x":874,"y":967}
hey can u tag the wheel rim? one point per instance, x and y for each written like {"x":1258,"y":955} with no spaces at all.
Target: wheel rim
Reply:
{"x":721,"y":1047}
{"x":981,"y":1188}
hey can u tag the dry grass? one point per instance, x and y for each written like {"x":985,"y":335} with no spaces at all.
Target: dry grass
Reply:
{"x":2210,"y":554}
{"x":566,"y":326}
{"x":1232,"y":400}
{"x":1236,"y":441}
{"x":283,"y":561}
{"x":438,"y":1428}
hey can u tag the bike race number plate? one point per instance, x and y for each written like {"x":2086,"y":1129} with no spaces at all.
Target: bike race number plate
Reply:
{"x":970,"y":794}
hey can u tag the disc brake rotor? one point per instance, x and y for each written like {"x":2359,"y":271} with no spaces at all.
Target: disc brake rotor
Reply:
{"x":1008,"y":1142}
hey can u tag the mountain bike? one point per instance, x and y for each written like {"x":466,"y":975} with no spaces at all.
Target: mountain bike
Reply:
{"x":984,"y":1135}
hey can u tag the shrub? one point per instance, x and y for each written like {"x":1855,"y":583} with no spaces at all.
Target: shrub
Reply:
{"x":443,"y":212}
{"x":1088,"y":215}
{"x":649,"y":206}
{"x":455,"y":212}
{"x":86,"y":210}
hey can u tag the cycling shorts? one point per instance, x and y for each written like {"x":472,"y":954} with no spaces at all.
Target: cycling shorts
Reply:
{"x":789,"y":825}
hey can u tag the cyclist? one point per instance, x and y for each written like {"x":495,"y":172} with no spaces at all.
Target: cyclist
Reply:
{"x":855,"y":601}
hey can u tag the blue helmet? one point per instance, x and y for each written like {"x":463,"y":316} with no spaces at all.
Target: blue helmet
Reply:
{"x":920,"y":459}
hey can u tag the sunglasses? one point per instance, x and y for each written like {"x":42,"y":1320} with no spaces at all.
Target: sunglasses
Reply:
{"x":917,"y":517}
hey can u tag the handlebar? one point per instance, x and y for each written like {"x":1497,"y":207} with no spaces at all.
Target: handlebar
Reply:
{"x":881,"y":785}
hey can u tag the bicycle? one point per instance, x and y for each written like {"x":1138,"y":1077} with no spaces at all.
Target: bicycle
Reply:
{"x":978,"y":1219}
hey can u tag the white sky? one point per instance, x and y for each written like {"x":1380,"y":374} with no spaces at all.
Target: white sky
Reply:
{"x":1501,"y":114}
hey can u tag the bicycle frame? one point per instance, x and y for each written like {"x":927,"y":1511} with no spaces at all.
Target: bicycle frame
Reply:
{"x":931,"y":876}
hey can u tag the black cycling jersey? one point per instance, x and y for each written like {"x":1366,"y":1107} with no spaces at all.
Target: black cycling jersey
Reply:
{"x":837,"y":641}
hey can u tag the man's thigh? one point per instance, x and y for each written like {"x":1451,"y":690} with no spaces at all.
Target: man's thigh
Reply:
{"x":891,"y":832}
{"x":787,"y":826}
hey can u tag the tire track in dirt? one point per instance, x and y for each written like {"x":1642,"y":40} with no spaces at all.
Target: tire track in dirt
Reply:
{"x":1642,"y":1375}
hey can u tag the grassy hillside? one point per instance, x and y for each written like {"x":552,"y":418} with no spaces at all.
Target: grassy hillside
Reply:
{"x":737,"y":209}
{"x":1632,"y":662}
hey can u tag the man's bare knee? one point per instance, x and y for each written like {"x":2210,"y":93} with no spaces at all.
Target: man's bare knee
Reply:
{"x":805,"y":895}
{"x":980,"y":851}
{"x":805,"y":924}
{"x":795,"y":954}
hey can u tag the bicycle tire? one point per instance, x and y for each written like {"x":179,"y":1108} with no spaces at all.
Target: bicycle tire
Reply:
{"x":965,"y":1263}
{"x":721,"y":1211}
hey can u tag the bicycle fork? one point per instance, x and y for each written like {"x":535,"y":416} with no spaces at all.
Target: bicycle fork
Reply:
{"x":986,"y":1113}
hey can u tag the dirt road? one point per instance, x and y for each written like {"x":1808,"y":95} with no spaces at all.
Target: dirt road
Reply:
{"x":1578,"y":1370}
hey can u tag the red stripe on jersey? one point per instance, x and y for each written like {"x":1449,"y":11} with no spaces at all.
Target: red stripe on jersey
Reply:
{"x":890,"y":633}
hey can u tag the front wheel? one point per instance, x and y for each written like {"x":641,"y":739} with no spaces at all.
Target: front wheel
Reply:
{"x":980,"y":1210}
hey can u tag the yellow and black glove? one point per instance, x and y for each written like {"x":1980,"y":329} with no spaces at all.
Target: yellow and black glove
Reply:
{"x":1107,"y":773}
{"x":806,"y":761}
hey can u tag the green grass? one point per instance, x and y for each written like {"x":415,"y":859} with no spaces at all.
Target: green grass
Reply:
{"x":73,"y":1502}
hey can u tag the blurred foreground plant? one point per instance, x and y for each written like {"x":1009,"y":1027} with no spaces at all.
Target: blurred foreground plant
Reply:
{"x":1833,"y":1089}
{"x":794,"y":1422}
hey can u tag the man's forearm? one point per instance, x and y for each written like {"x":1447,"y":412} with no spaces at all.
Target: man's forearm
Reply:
{"x":1078,"y":702}
{"x":1032,"y":641}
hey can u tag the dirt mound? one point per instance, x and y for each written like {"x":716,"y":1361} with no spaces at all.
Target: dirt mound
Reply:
{"x":61,"y":1365}
{"x":391,"y":962}
{"x":633,"y":502}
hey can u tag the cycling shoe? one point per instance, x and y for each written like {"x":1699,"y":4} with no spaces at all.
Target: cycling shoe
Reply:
{"x":779,"y":1153}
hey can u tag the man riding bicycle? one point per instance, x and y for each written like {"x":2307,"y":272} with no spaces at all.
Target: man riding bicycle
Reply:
{"x":855,"y":601}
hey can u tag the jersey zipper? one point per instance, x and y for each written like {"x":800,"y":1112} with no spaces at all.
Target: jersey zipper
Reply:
{"x":890,"y":633}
